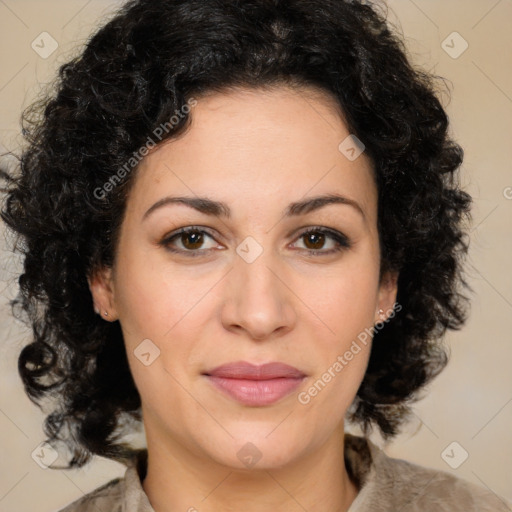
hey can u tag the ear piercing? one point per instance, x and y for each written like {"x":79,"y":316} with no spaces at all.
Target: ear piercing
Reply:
{"x":97,"y":310}
{"x":381,"y":313}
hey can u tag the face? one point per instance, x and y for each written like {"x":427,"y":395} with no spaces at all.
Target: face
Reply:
{"x":270,"y":282}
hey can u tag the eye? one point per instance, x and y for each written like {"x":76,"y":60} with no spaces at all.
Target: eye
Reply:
{"x":315,"y":239}
{"x":191,"y":239}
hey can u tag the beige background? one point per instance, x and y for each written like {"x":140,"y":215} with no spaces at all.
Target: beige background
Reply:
{"x":471,"y":402}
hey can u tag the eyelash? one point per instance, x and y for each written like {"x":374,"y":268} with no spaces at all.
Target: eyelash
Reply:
{"x":342,"y":241}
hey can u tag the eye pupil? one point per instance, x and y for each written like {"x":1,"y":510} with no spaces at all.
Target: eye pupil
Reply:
{"x":195,"y":236}
{"x":316,"y":239}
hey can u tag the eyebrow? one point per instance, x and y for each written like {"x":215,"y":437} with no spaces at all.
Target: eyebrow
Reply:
{"x":220,"y":209}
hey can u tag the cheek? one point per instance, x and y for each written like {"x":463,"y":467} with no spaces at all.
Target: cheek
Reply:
{"x":345,"y":302}
{"x":346,"y":298}
{"x":164,"y":307}
{"x":333,"y":387}
{"x":153,"y":299}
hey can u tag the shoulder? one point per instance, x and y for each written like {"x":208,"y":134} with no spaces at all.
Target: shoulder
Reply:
{"x":119,"y":494}
{"x":107,"y":497}
{"x":415,"y":488}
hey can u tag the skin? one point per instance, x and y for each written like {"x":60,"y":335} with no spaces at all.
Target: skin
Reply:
{"x":257,"y":151}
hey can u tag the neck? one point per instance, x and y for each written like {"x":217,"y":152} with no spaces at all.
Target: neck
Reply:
{"x":178,"y":480}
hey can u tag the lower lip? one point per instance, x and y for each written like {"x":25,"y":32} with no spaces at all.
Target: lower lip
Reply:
{"x":256,"y":392}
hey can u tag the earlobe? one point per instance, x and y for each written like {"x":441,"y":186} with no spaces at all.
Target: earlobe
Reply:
{"x":387,"y":295}
{"x":102,"y":291}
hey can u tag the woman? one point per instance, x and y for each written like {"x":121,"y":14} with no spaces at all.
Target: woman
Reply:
{"x":241,"y":224}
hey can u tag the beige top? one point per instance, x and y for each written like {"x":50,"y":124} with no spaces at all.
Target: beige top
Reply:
{"x":385,"y":484}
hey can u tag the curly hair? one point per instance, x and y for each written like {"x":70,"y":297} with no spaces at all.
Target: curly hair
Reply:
{"x":137,"y":71}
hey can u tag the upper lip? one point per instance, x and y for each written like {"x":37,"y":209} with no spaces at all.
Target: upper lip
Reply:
{"x":245,"y":370}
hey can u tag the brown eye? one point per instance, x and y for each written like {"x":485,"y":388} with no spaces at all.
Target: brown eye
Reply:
{"x":192,"y":240}
{"x":314,"y":240}
{"x":189,"y":241}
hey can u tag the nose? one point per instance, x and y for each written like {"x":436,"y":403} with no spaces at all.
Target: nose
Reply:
{"x":258,"y":299}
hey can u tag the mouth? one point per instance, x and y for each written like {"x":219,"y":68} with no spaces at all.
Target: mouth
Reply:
{"x":255,"y":385}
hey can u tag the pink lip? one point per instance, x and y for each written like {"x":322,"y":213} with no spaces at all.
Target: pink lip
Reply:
{"x":256,"y":385}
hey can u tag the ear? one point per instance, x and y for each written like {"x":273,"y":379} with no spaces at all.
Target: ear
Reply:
{"x":102,"y":291}
{"x":387,"y":295}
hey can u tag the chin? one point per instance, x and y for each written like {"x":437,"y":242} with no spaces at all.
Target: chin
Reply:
{"x":255,"y":449}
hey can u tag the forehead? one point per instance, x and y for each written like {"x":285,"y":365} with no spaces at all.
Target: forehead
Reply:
{"x":258,"y":146}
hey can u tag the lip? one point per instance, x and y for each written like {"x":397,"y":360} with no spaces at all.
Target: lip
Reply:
{"x":245,"y":370}
{"x":255,"y":385}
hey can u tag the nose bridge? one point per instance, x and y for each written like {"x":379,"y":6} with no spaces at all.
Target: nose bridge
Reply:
{"x":254,"y":267}
{"x":257,"y":299}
